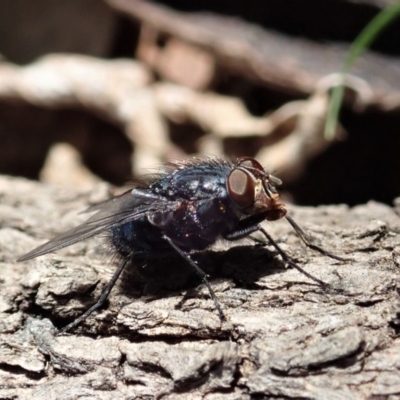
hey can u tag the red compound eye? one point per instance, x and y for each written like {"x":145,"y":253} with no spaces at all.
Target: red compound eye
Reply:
{"x":241,"y":188}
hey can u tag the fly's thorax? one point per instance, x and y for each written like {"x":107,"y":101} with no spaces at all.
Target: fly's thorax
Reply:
{"x":194,"y":182}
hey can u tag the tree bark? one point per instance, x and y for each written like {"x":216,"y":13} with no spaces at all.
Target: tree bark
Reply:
{"x":159,"y":335}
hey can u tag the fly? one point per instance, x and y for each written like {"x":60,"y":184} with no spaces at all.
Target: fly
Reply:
{"x":185,"y":208}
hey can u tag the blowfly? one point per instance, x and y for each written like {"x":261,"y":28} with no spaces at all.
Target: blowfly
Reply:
{"x":185,"y":208}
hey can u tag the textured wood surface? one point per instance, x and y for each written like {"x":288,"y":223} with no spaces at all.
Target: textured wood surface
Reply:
{"x":159,"y":335}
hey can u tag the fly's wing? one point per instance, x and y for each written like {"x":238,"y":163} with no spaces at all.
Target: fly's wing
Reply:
{"x":129,"y":206}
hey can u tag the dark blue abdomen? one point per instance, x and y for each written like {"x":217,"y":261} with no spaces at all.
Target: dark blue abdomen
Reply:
{"x":138,"y":238}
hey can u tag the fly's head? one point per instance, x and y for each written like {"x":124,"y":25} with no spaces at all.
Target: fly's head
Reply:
{"x":252,"y":190}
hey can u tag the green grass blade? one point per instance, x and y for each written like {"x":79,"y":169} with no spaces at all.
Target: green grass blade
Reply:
{"x":360,"y":44}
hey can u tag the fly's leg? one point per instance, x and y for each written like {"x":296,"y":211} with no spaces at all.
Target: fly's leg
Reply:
{"x":201,"y":274}
{"x":288,"y":260}
{"x":303,"y":236}
{"x":103,"y":297}
{"x":245,"y":231}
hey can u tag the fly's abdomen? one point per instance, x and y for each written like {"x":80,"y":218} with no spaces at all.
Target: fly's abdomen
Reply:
{"x":138,"y":238}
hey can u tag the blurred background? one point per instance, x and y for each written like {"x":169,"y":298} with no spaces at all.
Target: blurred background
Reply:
{"x":104,"y":90}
